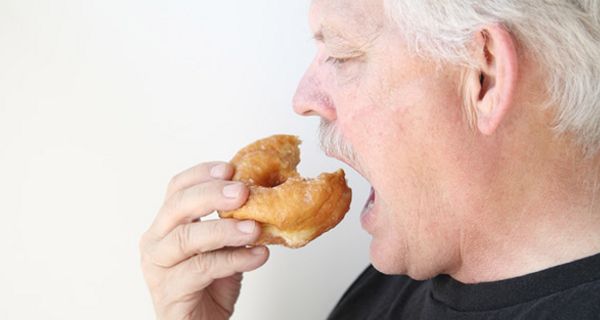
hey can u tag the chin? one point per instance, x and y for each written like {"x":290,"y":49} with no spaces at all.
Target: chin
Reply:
{"x":385,"y":258}
{"x":393,"y":260}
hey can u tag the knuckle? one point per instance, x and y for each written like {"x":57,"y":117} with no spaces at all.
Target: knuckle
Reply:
{"x":174,"y":183}
{"x":231,"y":258}
{"x":202,"y":264}
{"x":186,"y":203}
{"x":218,"y":234}
{"x":144,"y":247}
{"x":150,"y":259}
{"x":207,"y":194}
{"x":174,"y":203}
{"x":153,"y":275}
{"x":183,"y":238}
{"x":216,"y":230}
{"x":207,"y":189}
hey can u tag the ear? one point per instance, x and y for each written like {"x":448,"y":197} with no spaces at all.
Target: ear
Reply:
{"x":496,"y":56}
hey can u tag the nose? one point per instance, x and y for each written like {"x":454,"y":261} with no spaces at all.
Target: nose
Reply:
{"x":312,"y":97}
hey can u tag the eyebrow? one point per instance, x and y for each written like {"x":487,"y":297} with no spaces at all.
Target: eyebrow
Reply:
{"x":326,"y":33}
{"x":344,"y":43}
{"x":334,"y":37}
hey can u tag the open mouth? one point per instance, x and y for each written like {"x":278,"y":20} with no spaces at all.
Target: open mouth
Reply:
{"x":370,"y":201}
{"x":367,"y":216}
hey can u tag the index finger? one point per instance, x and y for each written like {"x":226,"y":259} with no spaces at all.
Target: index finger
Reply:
{"x":197,"y":174}
{"x":197,"y":201}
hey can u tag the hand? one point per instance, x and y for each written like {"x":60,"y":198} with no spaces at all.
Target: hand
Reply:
{"x":194,"y":269}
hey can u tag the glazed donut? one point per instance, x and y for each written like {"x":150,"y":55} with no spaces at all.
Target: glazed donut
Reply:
{"x":291,"y":210}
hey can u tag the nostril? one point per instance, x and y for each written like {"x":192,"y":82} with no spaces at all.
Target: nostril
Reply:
{"x":311,"y":98}
{"x":309,"y":113}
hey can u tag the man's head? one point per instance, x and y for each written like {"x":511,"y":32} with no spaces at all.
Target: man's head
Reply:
{"x":440,"y":105}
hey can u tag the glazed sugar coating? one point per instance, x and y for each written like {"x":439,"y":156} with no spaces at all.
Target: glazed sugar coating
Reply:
{"x":268,"y":162}
{"x":292,"y":210}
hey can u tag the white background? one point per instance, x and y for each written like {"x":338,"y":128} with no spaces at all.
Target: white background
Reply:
{"x":101,"y":102}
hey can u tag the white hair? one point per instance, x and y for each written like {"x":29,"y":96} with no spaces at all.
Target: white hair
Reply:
{"x":564,"y":35}
{"x":334,"y":144}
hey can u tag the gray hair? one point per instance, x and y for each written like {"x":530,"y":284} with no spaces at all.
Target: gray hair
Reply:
{"x":564,"y":35}
{"x":333,"y":143}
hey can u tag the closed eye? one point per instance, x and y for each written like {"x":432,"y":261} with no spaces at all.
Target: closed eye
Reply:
{"x":336,"y":61}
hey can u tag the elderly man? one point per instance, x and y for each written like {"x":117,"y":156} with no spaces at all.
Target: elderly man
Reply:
{"x":477,"y":124}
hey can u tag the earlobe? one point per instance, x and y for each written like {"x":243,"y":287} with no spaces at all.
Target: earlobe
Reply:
{"x":498,"y":67}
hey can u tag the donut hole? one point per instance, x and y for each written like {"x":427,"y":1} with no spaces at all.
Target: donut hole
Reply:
{"x":271,"y":179}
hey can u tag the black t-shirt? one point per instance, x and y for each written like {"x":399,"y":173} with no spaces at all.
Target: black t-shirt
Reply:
{"x":570,"y":292}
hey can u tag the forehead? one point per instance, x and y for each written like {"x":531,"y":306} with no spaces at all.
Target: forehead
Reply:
{"x":353,"y":16}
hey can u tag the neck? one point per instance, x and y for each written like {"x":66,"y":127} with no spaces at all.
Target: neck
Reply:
{"x":537,"y":214}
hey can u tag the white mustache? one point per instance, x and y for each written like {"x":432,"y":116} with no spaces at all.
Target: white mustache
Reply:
{"x":333,"y":143}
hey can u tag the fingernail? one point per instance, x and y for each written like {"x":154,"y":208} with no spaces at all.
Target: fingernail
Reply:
{"x":246,"y":226}
{"x":218,"y":171}
{"x":232,"y":190}
{"x":257,"y":251}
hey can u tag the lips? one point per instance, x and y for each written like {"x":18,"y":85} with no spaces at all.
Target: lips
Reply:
{"x":370,"y":201}
{"x":368,"y":212}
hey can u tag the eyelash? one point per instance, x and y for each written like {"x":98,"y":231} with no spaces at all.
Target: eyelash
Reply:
{"x":336,"y":61}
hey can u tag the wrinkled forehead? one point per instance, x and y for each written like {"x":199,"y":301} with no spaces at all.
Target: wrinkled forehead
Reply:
{"x":354,"y":17}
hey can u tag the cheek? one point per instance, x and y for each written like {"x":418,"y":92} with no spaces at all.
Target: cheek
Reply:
{"x":365,"y":115}
{"x":370,"y":133}
{"x":366,"y":125}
